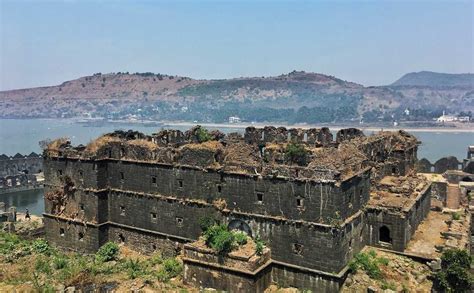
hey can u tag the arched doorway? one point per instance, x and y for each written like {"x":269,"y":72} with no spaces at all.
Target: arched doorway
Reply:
{"x":240,"y":225}
{"x":384,"y":234}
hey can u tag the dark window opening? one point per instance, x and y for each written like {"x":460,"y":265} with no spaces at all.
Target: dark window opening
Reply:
{"x":110,"y":153}
{"x":121,"y":238}
{"x":394,"y":171}
{"x":260,"y":197}
{"x":299,"y":202}
{"x":219,"y":188}
{"x":81,"y":173}
{"x":297,"y":248}
{"x":350,"y":243}
{"x":61,"y":232}
{"x":81,"y":206}
{"x":179,"y":221}
{"x":81,"y":236}
{"x":153,"y":246}
{"x":60,"y":172}
{"x":153,"y":216}
{"x":153,"y":180}
{"x":122,"y":176}
{"x":384,"y":235}
{"x":122,"y":210}
{"x":180,"y":183}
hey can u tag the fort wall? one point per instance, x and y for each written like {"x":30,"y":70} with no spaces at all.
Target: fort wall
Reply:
{"x":150,"y":192}
{"x":392,"y":227}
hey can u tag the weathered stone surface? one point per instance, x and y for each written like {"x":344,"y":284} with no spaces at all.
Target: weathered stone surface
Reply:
{"x":150,"y":192}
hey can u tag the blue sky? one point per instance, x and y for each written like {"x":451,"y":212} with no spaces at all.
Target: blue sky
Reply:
{"x":369,"y":42}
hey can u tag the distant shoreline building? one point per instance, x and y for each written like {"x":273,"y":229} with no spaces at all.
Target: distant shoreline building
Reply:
{"x":450,"y":118}
{"x":234,"y":119}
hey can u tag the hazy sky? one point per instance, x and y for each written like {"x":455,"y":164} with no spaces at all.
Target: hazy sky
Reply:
{"x":369,"y":42}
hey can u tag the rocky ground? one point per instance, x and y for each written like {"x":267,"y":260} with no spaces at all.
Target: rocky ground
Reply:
{"x":400,"y":274}
{"x":34,"y":266}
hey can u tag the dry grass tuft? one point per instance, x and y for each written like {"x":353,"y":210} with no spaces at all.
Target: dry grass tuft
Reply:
{"x":211,"y":145}
{"x":220,"y":203}
{"x":143,"y":143}
{"x":56,"y":144}
{"x":96,"y":144}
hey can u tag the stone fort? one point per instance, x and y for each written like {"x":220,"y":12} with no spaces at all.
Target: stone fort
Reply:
{"x":314,"y":212}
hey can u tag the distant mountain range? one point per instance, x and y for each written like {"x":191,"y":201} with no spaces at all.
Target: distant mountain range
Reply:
{"x":435,"y":79}
{"x":294,"y":97}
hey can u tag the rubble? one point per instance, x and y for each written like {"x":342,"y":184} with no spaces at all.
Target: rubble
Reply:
{"x":259,"y":151}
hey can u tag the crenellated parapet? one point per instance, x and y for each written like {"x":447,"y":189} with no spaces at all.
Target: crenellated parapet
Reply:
{"x":20,"y":164}
{"x":293,"y":153}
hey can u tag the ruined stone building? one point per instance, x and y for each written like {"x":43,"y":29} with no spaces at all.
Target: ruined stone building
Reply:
{"x":17,"y":172}
{"x":314,"y":209}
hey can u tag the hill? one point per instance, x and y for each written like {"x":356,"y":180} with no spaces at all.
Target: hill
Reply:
{"x":296,"y":97}
{"x":435,"y":79}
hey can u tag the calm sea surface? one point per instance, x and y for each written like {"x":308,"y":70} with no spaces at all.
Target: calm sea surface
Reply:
{"x":22,"y":136}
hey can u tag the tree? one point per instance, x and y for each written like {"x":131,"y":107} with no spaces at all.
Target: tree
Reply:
{"x":296,"y":153}
{"x":454,"y":275}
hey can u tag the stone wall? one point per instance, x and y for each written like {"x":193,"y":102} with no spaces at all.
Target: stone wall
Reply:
{"x":439,"y":191}
{"x":312,"y":136}
{"x":220,"y":278}
{"x":311,"y":201}
{"x":165,"y":204}
{"x":440,"y":166}
{"x":401,"y":224}
{"x":13,"y":165}
{"x":17,"y":172}
{"x":74,"y":235}
{"x":285,"y":276}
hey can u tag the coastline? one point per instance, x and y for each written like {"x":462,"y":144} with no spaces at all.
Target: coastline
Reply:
{"x":331,"y":127}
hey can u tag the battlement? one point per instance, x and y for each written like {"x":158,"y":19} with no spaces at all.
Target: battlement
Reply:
{"x":309,"y":154}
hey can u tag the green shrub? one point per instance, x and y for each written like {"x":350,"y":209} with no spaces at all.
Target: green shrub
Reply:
{"x":454,"y":275}
{"x":296,"y":153}
{"x":41,"y":246}
{"x":240,"y":237}
{"x":162,"y":276}
{"x":134,"y":268}
{"x":222,"y":240}
{"x":259,"y":245}
{"x":109,"y":251}
{"x":206,"y":222}
{"x":156,"y":259}
{"x":172,"y":267}
{"x":456,"y":216}
{"x":42,"y":266}
{"x":59,"y":262}
{"x":369,"y":262}
{"x":202,"y":134}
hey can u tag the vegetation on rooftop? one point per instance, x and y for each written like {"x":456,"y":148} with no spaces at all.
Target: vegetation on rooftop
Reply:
{"x":296,"y":153}
{"x":203,"y":134}
{"x":455,"y":273}
{"x":223,"y":240}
